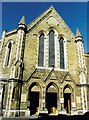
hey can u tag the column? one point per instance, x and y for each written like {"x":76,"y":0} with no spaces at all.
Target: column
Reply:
{"x":1,"y":102}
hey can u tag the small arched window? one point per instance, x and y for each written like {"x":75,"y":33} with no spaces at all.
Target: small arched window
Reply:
{"x":51,"y":49}
{"x":8,"y":52}
{"x":62,"y":63}
{"x":41,"y":50}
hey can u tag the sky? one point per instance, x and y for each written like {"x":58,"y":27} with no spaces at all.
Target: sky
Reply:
{"x":73,"y":13}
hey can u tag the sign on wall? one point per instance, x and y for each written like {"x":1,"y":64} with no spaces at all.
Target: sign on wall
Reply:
{"x":73,"y":104}
{"x":61,"y":100}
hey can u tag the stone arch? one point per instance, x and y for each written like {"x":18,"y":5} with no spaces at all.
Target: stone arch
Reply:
{"x":68,"y":86}
{"x":41,"y":32}
{"x":61,"y":35}
{"x":52,"y":28}
{"x":33,"y":85}
{"x":34,"y":98}
{"x":52,"y":98}
{"x":68,"y":93}
{"x":50,"y":84}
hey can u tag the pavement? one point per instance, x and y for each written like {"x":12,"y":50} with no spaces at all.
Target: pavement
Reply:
{"x":46,"y":117}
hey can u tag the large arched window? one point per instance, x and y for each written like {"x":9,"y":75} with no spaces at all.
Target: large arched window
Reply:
{"x":41,"y":51}
{"x":51,"y":49}
{"x":62,"y":63}
{"x":8,"y":52}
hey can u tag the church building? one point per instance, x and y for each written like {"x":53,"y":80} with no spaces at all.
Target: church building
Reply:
{"x":43,"y":69}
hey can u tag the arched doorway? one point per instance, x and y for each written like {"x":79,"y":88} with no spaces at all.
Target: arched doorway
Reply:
{"x":51,"y":98}
{"x":33,"y":97}
{"x":67,"y":99}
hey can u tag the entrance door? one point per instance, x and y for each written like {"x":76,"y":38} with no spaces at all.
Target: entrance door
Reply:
{"x":34,"y":102}
{"x":67,"y":102}
{"x":51,"y":102}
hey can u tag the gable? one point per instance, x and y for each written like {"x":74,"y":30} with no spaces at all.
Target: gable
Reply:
{"x":53,"y":19}
{"x":69,"y":78}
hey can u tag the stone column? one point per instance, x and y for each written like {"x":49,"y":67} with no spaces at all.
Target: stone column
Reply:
{"x":43,"y":104}
{"x":43,"y":99}
{"x":62,"y":99}
{"x":1,"y":93}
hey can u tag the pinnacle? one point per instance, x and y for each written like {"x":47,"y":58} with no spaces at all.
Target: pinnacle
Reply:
{"x":22,"y":21}
{"x":78,"y":33}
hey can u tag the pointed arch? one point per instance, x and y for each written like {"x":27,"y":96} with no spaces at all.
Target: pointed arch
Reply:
{"x":68,"y":86}
{"x":34,"y":84}
{"x":68,"y":94}
{"x":52,"y":97}
{"x":34,"y":98}
{"x":52,"y":84}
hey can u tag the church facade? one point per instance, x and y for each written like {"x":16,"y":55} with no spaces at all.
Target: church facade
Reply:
{"x":43,"y":69}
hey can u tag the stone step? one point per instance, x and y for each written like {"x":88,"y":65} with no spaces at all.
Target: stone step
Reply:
{"x":46,"y":117}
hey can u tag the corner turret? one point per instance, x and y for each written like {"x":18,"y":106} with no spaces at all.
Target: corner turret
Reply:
{"x":81,"y":68}
{"x":22,"y":24}
{"x":78,"y":36}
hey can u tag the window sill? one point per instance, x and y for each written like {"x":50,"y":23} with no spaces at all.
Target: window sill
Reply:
{"x":49,"y":68}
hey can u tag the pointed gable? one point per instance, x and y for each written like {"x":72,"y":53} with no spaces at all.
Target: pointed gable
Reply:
{"x":52,"y":18}
{"x":69,"y":78}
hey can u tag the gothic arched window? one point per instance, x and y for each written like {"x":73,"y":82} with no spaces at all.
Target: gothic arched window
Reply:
{"x":51,"y":49}
{"x":8,"y":52}
{"x":41,"y":51}
{"x":62,"y":63}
